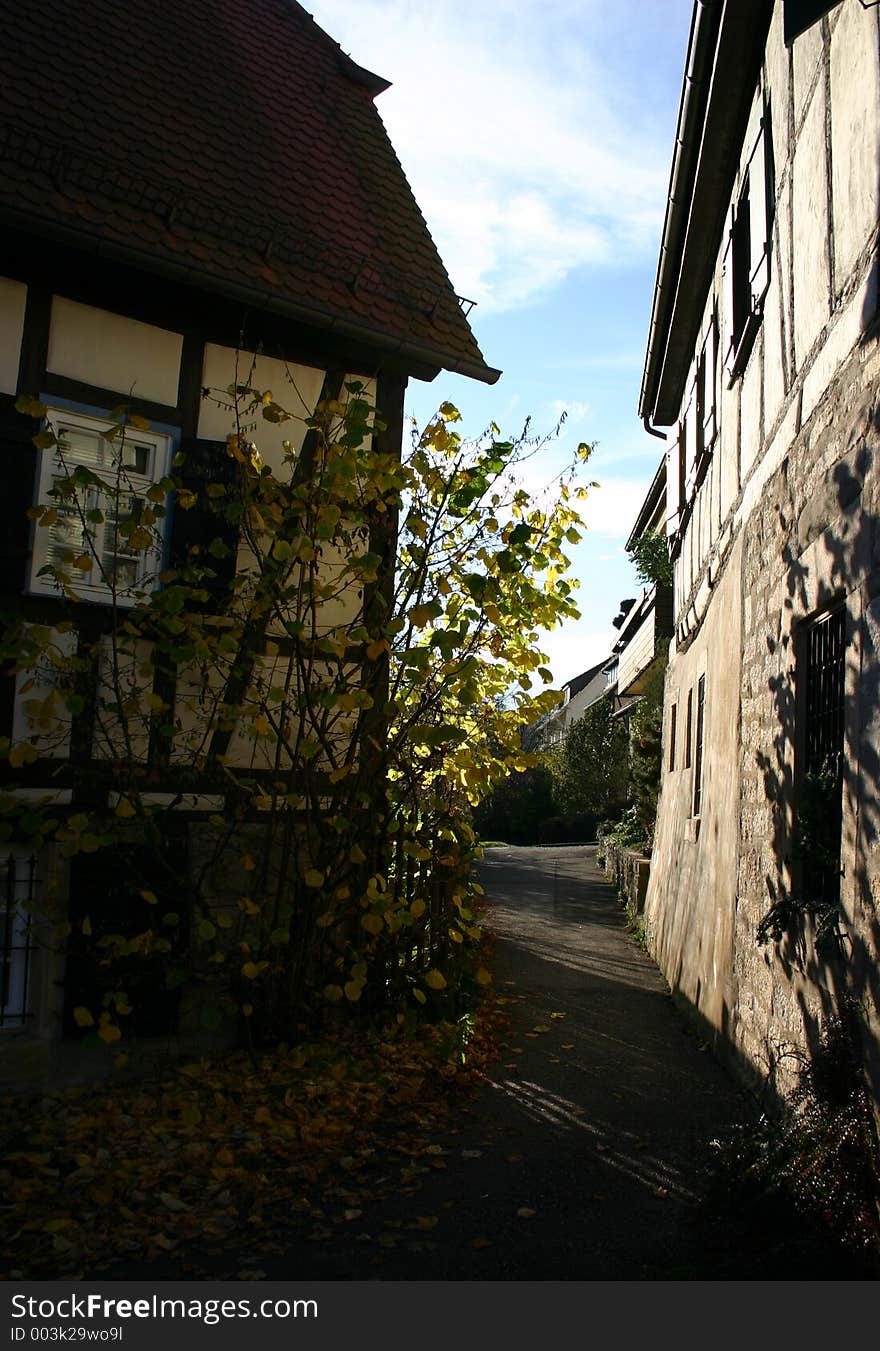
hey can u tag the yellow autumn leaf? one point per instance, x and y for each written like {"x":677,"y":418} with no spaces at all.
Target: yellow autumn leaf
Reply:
{"x":435,"y":980}
{"x":82,"y":1017}
{"x":83,"y":563}
{"x":417,"y":909}
{"x":333,"y":993}
{"x":250,"y":971}
{"x":109,"y":1033}
{"x":314,"y":878}
{"x":23,"y":754}
{"x":483,"y":977}
{"x":354,"y":990}
{"x":420,"y":996}
{"x":373,"y":924}
{"x":124,"y":808}
{"x":150,"y":897}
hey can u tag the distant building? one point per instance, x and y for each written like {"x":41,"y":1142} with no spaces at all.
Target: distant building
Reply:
{"x":578,"y":694}
{"x":644,"y":626}
{"x":763,"y":362}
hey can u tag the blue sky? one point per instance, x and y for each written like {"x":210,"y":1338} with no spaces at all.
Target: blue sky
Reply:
{"x":537,"y":136}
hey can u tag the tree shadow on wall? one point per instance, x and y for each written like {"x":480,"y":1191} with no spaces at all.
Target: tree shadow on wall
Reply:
{"x":830,"y":958}
{"x":828,"y":955}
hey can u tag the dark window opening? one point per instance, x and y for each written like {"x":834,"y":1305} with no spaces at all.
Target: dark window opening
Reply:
{"x":698,"y":746}
{"x":673,"y":720}
{"x":688,"y":729}
{"x":741,"y":256}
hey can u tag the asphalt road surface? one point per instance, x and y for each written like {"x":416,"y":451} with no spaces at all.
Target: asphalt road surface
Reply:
{"x":589,"y":1154}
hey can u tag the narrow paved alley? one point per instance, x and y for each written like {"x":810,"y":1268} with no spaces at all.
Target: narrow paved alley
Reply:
{"x":588,"y":1153}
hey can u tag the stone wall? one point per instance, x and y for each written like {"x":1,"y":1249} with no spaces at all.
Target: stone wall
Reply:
{"x":812,"y":539}
{"x":629,"y":870}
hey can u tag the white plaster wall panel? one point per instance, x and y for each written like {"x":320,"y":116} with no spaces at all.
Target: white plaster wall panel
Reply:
{"x":727,"y":451}
{"x":783,"y":230}
{"x":806,"y":53}
{"x":841,"y":339}
{"x":855,"y":135}
{"x":810,"y":244}
{"x":113,"y":352}
{"x":777,"y":66}
{"x":122,"y":718}
{"x":13,"y":295}
{"x":296,"y":388}
{"x":716,"y":494}
{"x":40,"y":712}
{"x":703,"y":521}
{"x":774,"y":374}
{"x":750,"y":411}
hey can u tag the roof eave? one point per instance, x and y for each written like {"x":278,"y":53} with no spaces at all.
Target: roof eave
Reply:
{"x":723,"y":62}
{"x":425,"y":360}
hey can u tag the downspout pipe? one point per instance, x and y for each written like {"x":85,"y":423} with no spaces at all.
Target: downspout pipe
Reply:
{"x":701,"y":53}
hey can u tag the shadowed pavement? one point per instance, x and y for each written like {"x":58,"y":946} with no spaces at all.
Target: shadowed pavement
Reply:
{"x":587,"y":1154}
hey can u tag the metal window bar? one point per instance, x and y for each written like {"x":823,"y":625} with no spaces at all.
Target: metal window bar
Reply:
{"x":824,"y":710}
{"x":826,"y":641}
{"x":15,"y":951}
{"x":698,"y":746}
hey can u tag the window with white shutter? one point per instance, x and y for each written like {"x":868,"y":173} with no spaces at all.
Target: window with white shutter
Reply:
{"x":104,"y":536}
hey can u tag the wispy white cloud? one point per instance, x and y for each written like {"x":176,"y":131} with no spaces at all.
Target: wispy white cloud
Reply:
{"x":518,"y":147}
{"x":575,"y":410}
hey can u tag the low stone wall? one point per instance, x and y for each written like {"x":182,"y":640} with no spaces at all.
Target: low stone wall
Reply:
{"x":629,"y":870}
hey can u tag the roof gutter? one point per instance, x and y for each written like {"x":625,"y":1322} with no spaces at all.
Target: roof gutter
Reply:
{"x":701,"y":51}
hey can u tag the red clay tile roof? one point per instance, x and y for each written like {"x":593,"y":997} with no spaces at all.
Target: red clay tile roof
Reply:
{"x":232,"y":139}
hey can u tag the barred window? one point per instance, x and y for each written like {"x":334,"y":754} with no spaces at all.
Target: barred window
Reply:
{"x":19,"y":891}
{"x":820,"y":782}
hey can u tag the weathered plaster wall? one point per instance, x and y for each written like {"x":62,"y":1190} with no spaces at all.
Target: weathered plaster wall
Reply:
{"x":692,"y":891}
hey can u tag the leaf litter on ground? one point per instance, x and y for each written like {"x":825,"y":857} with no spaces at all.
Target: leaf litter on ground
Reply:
{"x":229,"y":1155}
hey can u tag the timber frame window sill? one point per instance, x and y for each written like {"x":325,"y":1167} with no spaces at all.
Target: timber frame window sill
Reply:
{"x":739,"y":358}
